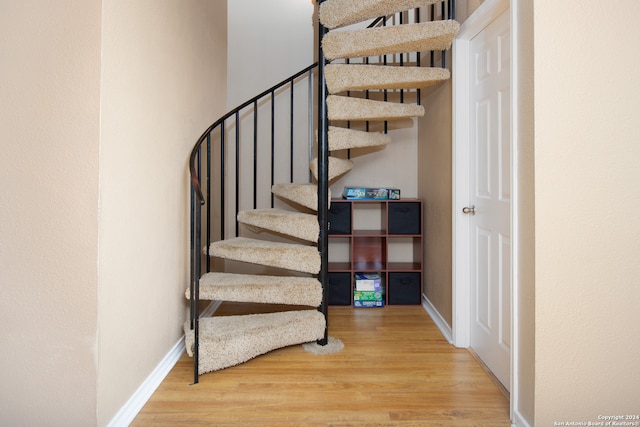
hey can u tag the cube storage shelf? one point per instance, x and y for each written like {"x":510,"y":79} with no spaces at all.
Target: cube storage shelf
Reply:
{"x":376,"y":236}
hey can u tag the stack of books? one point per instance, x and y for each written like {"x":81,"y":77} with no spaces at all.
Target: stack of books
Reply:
{"x":369,"y":291}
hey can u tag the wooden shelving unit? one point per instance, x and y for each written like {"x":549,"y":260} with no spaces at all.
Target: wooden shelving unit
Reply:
{"x":376,"y":236}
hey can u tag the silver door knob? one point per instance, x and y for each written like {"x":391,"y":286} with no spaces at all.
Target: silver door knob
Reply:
{"x":469,"y":210}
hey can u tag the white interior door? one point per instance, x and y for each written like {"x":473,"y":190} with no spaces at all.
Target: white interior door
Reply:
{"x":490,"y":197}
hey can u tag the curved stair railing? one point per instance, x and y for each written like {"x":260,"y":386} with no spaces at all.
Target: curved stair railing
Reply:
{"x":226,"y":131}
{"x":218,"y":162}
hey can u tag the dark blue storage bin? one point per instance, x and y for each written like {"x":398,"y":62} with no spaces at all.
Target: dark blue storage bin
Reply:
{"x":404,"y":218}
{"x":340,"y":218}
{"x":405,"y":288}
{"x":339,"y":288}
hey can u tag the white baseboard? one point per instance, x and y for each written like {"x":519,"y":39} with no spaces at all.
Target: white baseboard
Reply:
{"x":518,"y":420}
{"x":130,"y":410}
{"x":437,"y":318}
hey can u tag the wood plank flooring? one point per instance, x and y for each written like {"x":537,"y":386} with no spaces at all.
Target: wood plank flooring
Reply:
{"x":396,"y":370}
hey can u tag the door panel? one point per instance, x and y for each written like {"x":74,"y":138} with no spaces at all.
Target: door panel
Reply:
{"x":483,"y":276}
{"x":504,"y":293}
{"x":490,"y":193}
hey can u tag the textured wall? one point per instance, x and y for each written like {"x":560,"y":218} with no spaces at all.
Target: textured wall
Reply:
{"x":268,"y":42}
{"x":49,"y":133}
{"x":522,"y":14}
{"x":163,"y":83}
{"x":434,"y":178}
{"x":587,"y":234}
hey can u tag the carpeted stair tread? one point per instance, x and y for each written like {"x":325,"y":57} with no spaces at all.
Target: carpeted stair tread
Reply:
{"x":230,"y":340}
{"x":435,"y":35}
{"x":290,"y":290}
{"x":275,"y":254}
{"x":345,"y":139}
{"x":301,"y":225}
{"x":346,"y":108}
{"x":338,"y":13}
{"x":343,"y":77}
{"x":302,"y":194}
{"x":337,"y":167}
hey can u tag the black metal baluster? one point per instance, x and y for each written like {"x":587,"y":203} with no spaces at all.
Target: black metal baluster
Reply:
{"x":196,"y":308}
{"x":366,"y":95}
{"x":417,"y":21}
{"x":401,"y":60}
{"x":192,"y":267}
{"x":310,"y":122}
{"x":273,"y":143}
{"x":348,"y":61}
{"x":223,"y":188}
{"x":255,"y":154}
{"x":385,"y":92}
{"x":208,"y":203}
{"x":323,"y":181}
{"x":237,"y":169}
{"x":432,"y":18}
{"x":443,"y":56}
{"x":291,"y":118}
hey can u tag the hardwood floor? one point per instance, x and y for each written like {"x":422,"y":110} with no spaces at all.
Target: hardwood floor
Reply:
{"x":396,"y":370}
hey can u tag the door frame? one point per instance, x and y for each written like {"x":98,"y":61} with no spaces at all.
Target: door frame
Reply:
{"x":485,"y":14}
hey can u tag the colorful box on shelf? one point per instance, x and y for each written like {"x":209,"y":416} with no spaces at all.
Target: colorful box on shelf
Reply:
{"x":368,"y":304}
{"x":368,"y":282}
{"x":363,"y":193}
{"x":368,"y":296}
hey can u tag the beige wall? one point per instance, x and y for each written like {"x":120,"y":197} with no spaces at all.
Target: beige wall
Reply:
{"x":163,"y":83}
{"x":49,"y":134}
{"x":268,"y":42}
{"x":392,"y":166}
{"x":522,"y":14}
{"x":587,"y":234}
{"x":434,"y":171}
{"x":102,"y":102}
{"x":435,"y":188}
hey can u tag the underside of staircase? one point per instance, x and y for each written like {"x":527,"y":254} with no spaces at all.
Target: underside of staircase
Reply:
{"x":286,"y":241}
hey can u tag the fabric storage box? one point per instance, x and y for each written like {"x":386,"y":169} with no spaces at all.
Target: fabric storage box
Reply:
{"x":339,"y":285}
{"x":340,"y":218}
{"x":368,"y":304}
{"x":363,"y":193}
{"x":405,"y":288}
{"x":368,"y":282}
{"x":404,"y":218}
{"x":368,"y":296}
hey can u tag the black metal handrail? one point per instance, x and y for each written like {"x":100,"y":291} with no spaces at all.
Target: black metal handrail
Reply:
{"x":195,"y":178}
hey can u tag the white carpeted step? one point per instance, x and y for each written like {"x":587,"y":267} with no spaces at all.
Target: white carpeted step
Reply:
{"x":347,"y":108}
{"x":345,"y":139}
{"x":435,"y":35}
{"x":230,"y":340}
{"x":338,"y":13}
{"x":303,"y":194}
{"x":275,"y":254}
{"x":337,"y":167}
{"x":301,"y":225}
{"x":343,"y":77}
{"x":290,"y":290}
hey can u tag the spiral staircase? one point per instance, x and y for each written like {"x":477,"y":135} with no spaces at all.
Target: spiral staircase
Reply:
{"x":354,"y":93}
